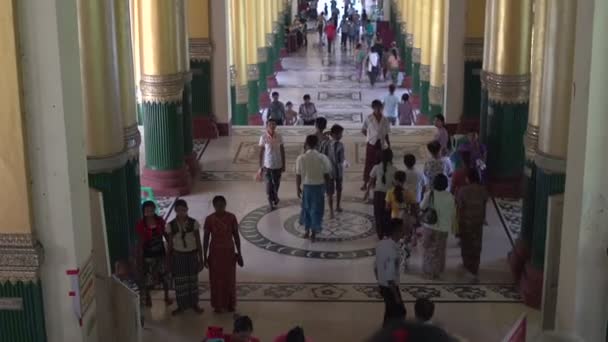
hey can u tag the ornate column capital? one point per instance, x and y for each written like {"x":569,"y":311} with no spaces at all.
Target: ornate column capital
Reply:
{"x":425,"y":73}
{"x":436,"y":95}
{"x":473,"y":49}
{"x":531,"y":141}
{"x":132,"y":141}
{"x":416,"y":55}
{"x":201,"y":49}
{"x":162,"y":88}
{"x":262,"y":54}
{"x":20,"y":258}
{"x":550,"y":163}
{"x":253,"y":72}
{"x":409,"y":40}
{"x":233,"y":75}
{"x":96,"y":165}
{"x":187,"y":76}
{"x":510,"y":89}
{"x":242,"y":94}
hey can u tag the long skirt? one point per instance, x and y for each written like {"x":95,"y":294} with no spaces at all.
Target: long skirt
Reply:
{"x":155,"y":272}
{"x":185,"y":277}
{"x":222,"y":278}
{"x":433,"y":260}
{"x":380,"y":214}
{"x":313,"y":207}
{"x":372,"y":157}
{"x":471,"y":236}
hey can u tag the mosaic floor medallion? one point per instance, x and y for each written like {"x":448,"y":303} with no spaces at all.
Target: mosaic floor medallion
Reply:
{"x":510,"y":211}
{"x":347,"y":226}
{"x":354,"y":117}
{"x":339,"y":95}
{"x":340,"y":78}
{"x":349,"y":236}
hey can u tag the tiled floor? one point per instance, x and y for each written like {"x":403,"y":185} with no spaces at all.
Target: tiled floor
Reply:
{"x":328,"y":287}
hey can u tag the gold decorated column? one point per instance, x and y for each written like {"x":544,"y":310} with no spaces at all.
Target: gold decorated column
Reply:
{"x":261,"y":29}
{"x":20,"y":253}
{"x":425,"y":55}
{"x":416,"y":52}
{"x":128,"y":107}
{"x":437,"y":63}
{"x":554,"y":121}
{"x":253,"y":43}
{"x":162,"y":86}
{"x":102,"y":84}
{"x":134,"y":10}
{"x":409,"y":37}
{"x":239,"y":36}
{"x":473,"y":59}
{"x":506,"y":77}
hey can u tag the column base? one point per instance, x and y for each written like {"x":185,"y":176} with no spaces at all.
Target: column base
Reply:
{"x":204,"y":127}
{"x":468,"y":125}
{"x":531,"y":286}
{"x":506,"y":187}
{"x":264,"y":99}
{"x":192,"y":164}
{"x":224,"y":128}
{"x":517,"y":258}
{"x":255,"y":120}
{"x":271,"y":81}
{"x":284,"y":53}
{"x":278,"y":65}
{"x":167,"y":182}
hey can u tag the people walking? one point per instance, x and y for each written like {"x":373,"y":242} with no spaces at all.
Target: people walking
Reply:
{"x":307,"y":112}
{"x":376,"y":129}
{"x":436,"y":233}
{"x":373,"y":66}
{"x":391,"y":104}
{"x":272,"y":161}
{"x":151,"y":253}
{"x":380,"y":181}
{"x":387,"y":272}
{"x":330,"y":33}
{"x":335,"y":153}
{"x":471,"y":201}
{"x":186,"y":255}
{"x":276,"y":110}
{"x":313,"y":171}
{"x":406,"y":112}
{"x":221,"y":253}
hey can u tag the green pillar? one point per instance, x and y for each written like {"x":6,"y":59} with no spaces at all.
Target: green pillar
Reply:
{"x":409,"y":49}
{"x":472,"y":89}
{"x":262,"y":69}
{"x":187,"y":115}
{"x":504,"y":119}
{"x":201,"y":87}
{"x":425,"y":76}
{"x":547,"y":183}
{"x":132,"y":143}
{"x":112,"y":183}
{"x":416,"y":71}
{"x":435,"y":100}
{"x":528,"y":209}
{"x":253,"y":75}
{"x":20,"y":283}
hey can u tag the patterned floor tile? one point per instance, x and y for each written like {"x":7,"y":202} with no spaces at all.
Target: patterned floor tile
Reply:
{"x":510,"y":211}
{"x":339,"y":95}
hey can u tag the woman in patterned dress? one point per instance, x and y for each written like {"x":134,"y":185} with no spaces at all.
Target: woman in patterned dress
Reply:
{"x":471,"y":200}
{"x":151,"y":253}
{"x":220,"y":257}
{"x":436,"y":235}
{"x":436,"y":164}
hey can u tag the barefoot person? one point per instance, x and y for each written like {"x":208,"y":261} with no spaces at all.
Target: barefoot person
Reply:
{"x":220,"y":256}
{"x":335,"y":153}
{"x":151,"y":252}
{"x":313,"y":170}
{"x":272,"y":161}
{"x":376,"y":129}
{"x":186,"y":254}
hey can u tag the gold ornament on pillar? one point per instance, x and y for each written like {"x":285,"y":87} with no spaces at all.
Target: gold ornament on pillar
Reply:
{"x":538,"y":50}
{"x":425,"y":45}
{"x":507,"y":70}
{"x":240,"y":43}
{"x":201,"y":48}
{"x":162,"y":79}
{"x":251,"y":31}
{"x":418,"y":22}
{"x":410,"y":15}
{"x":437,"y":50}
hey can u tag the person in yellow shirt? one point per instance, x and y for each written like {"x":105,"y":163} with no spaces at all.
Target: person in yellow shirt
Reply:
{"x":402,"y":204}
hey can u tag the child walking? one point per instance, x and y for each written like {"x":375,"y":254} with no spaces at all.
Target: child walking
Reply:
{"x":402,"y":205}
{"x":335,"y":153}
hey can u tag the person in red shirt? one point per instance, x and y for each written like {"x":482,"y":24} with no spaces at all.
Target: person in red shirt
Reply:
{"x":330,"y":33}
{"x":151,"y":254}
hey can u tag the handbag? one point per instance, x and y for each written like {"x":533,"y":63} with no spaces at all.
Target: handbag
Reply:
{"x":429,"y":215}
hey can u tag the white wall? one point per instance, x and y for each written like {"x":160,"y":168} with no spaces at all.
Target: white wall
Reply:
{"x":56,"y":148}
{"x":220,"y":76}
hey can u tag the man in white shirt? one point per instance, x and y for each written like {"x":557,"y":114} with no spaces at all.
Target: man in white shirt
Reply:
{"x":391,"y":104}
{"x":272,"y":161}
{"x":313,"y":170}
{"x":376,"y":129}
{"x":386,"y":270}
{"x":373,"y":66}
